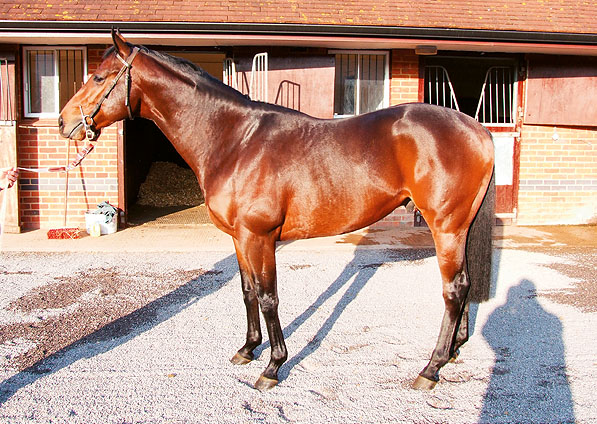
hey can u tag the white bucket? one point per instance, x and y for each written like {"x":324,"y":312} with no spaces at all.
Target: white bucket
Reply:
{"x":105,"y":227}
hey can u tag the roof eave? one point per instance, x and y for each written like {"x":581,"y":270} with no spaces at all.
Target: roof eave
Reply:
{"x":220,"y":34}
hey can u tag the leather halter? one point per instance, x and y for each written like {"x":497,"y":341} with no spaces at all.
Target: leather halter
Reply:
{"x":127,"y":64}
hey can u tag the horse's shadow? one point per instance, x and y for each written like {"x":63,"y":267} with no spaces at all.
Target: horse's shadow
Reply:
{"x":125,"y":328}
{"x":362,"y":267}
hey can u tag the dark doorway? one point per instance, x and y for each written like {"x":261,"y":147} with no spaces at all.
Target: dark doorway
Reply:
{"x":159,"y":185}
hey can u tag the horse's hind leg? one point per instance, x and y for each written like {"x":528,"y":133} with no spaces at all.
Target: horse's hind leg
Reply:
{"x":450,"y":250}
{"x":463,"y":332}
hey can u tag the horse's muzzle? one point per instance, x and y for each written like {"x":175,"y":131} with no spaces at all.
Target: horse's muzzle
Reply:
{"x":72,"y":130}
{"x":76,"y":130}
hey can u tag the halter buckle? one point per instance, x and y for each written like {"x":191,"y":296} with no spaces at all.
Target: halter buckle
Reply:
{"x":90,"y":134}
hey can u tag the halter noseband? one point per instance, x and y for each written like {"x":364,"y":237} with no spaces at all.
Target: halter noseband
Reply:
{"x":127,"y":64}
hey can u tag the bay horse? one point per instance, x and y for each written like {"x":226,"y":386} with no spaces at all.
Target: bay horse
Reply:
{"x":269,"y":173}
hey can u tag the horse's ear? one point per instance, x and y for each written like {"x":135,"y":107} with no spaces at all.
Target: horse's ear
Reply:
{"x":120,"y":43}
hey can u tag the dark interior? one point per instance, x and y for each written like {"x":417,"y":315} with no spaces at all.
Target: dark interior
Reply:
{"x":144,"y":144}
{"x":467,"y":74}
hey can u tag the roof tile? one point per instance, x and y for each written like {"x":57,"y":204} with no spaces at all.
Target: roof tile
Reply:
{"x":564,"y":16}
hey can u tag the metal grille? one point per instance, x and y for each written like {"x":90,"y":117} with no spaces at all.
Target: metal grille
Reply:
{"x":258,"y":84}
{"x":497,"y":97}
{"x":52,"y":77}
{"x":229,"y":76}
{"x":289,"y":95}
{"x":439,"y":90}
{"x":70,"y":74}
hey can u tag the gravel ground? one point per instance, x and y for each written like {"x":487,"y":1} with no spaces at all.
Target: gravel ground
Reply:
{"x":147,"y":337}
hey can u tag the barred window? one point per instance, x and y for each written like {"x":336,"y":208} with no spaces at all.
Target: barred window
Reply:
{"x":52,"y":76}
{"x":361,"y":83}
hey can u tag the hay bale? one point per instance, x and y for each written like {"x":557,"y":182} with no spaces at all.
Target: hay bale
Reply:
{"x":168,"y":184}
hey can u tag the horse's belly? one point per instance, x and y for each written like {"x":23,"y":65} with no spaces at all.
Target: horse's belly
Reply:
{"x":307,"y":221}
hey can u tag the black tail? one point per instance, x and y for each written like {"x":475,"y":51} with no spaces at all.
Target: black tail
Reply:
{"x":479,"y":247}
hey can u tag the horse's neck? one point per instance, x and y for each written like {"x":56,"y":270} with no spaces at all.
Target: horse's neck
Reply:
{"x":193,"y":119}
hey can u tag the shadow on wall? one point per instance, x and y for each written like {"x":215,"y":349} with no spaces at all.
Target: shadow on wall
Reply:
{"x":528,"y":381}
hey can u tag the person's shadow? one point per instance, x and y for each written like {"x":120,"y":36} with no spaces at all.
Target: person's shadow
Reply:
{"x":528,"y":381}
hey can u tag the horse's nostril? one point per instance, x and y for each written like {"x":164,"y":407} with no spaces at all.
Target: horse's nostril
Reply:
{"x":60,"y":122}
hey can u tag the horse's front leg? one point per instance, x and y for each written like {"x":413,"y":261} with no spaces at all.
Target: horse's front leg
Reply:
{"x":245,"y":354}
{"x":257,"y":255}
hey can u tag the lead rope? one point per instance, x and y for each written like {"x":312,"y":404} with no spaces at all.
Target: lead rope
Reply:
{"x":76,"y":162}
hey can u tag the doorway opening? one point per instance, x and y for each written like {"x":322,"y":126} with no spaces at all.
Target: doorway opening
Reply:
{"x":160,"y":188}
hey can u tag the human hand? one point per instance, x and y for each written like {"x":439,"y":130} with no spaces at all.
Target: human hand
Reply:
{"x":8,"y":176}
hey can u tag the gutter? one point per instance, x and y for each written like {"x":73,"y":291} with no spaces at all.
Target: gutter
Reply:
{"x":190,"y":28}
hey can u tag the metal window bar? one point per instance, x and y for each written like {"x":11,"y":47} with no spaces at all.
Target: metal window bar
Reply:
{"x":70,"y":74}
{"x":258,"y":83}
{"x":439,"y":87}
{"x":229,"y":76}
{"x":496,"y":101}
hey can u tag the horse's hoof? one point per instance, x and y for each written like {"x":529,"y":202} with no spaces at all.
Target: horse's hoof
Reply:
{"x":454,"y":357}
{"x":239,"y":359}
{"x":422,"y":383}
{"x":264,"y":383}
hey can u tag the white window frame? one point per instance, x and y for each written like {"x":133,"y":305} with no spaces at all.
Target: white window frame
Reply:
{"x":386,"y":83}
{"x":26,"y":74}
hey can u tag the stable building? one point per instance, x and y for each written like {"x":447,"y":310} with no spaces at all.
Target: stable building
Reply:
{"x":526,"y":71}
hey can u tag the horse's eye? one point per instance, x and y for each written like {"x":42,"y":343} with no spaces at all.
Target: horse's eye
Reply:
{"x":98,"y":79}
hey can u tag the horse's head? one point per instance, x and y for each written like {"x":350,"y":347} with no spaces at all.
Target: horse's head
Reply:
{"x":105,"y":98}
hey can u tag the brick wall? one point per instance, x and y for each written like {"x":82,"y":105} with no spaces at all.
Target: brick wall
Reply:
{"x":558,"y":175}
{"x":42,"y":196}
{"x":404,"y":88}
{"x":404,"y":74}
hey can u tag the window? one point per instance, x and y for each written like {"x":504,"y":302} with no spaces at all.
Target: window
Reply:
{"x":52,"y":76}
{"x":361,"y":83}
